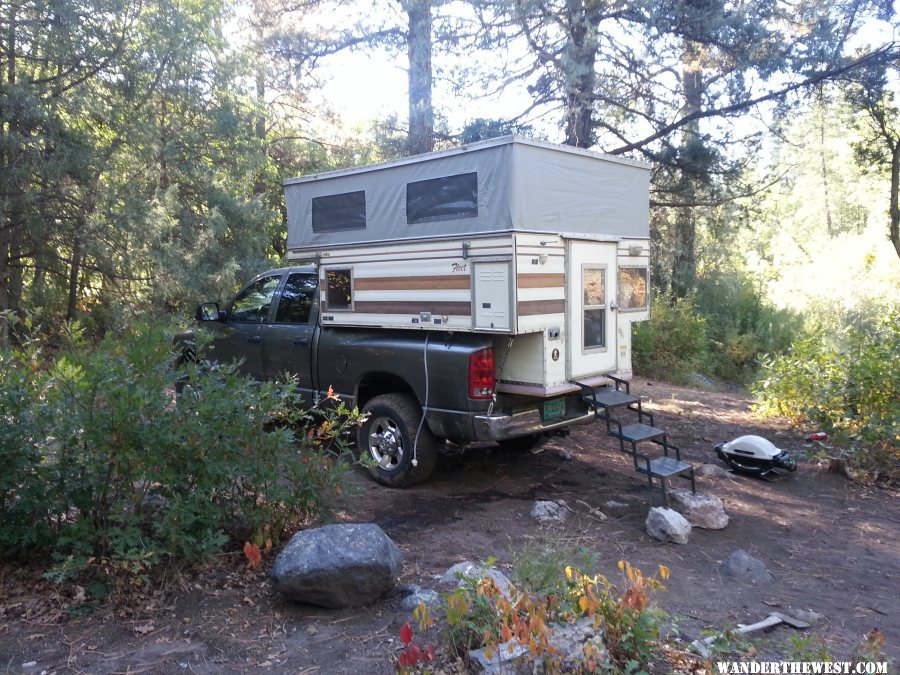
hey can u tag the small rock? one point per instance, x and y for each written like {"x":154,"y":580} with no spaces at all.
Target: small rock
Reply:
{"x":549,"y":513}
{"x":701,"y":510}
{"x":567,"y":642}
{"x":459,"y":573}
{"x":414,"y":595}
{"x":807,"y":615}
{"x":667,"y":525}
{"x":564,"y":454}
{"x":710,"y":471}
{"x":742,"y":565}
{"x":613,"y":505}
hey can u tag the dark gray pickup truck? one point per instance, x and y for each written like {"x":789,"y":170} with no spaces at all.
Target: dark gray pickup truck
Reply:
{"x":392,"y":375}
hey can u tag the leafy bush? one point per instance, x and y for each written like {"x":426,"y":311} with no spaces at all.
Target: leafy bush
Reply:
{"x":479,"y":615}
{"x":105,"y":467}
{"x":724,"y":330}
{"x":742,"y":327}
{"x":846,"y":382}
{"x":674,"y":343}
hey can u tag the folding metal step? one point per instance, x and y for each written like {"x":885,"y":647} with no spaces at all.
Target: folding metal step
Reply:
{"x":666,"y":467}
{"x":613,"y":398}
{"x":635,"y":433}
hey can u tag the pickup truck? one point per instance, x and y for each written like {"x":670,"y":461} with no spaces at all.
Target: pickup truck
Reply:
{"x":417,"y":388}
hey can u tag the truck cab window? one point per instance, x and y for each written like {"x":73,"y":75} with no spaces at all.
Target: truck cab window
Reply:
{"x":253,"y":303}
{"x":297,"y":298}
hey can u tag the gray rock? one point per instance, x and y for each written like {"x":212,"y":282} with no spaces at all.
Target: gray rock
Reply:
{"x":338,"y":566}
{"x":667,"y":525}
{"x":807,"y":615}
{"x":741,"y":565}
{"x":458,"y":574}
{"x":414,"y":595}
{"x":566,"y":640}
{"x":613,"y":505}
{"x":701,"y":510}
{"x":550,"y":513}
{"x":711,"y":471}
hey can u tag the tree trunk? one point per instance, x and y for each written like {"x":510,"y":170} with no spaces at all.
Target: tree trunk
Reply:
{"x":580,"y":79}
{"x":74,"y":274}
{"x":684,"y":265}
{"x":8,"y":187}
{"x":419,"y":47}
{"x":895,"y":198}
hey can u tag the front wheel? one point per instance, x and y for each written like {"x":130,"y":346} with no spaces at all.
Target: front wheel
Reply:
{"x":388,"y":438}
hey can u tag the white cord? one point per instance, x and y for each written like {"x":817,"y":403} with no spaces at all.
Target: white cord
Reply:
{"x":415,"y":461}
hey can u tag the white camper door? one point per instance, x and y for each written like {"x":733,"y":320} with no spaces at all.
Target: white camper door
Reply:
{"x":590,"y":307}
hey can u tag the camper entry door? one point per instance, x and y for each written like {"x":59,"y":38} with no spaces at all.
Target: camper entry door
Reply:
{"x":590,"y":307}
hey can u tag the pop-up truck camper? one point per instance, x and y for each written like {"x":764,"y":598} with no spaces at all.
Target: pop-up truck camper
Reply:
{"x":543,"y":246}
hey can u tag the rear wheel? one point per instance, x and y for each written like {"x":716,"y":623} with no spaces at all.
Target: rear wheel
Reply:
{"x":388,"y":438}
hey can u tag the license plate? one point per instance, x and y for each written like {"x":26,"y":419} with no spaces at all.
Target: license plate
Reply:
{"x":555,"y":408}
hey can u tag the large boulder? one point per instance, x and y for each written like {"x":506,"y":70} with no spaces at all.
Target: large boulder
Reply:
{"x":706,"y":511}
{"x":667,"y":525}
{"x":338,"y":566}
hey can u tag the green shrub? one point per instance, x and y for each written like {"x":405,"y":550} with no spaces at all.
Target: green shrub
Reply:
{"x":103,"y":466}
{"x":742,"y":327}
{"x":847,"y":383}
{"x":673,"y":344}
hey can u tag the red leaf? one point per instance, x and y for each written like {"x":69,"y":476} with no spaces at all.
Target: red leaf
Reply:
{"x":414,"y":653}
{"x":429,"y":653}
{"x":251,"y":551}
{"x":406,"y":633}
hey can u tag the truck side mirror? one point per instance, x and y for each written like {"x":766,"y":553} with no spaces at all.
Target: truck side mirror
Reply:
{"x":207,"y":311}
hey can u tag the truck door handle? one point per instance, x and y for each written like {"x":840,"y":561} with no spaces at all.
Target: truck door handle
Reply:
{"x":301,"y":341}
{"x":253,"y":338}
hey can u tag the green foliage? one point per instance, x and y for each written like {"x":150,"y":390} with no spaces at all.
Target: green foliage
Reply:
{"x":106,"y":468}
{"x":847,"y":382}
{"x":480,"y":616}
{"x":674,"y":344}
{"x":723,"y":330}
{"x":742,"y":327}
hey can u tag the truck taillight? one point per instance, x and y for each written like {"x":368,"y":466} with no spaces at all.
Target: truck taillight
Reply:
{"x":481,"y":374}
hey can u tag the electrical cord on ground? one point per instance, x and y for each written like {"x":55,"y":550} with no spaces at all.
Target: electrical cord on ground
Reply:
{"x":415,"y":461}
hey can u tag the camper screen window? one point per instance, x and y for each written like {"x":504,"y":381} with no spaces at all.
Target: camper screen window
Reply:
{"x":442,"y":198}
{"x":345,"y":211}
{"x":633,"y":288}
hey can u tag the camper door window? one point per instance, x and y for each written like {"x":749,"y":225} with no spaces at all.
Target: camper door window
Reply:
{"x":593,"y":281}
{"x":443,"y":198}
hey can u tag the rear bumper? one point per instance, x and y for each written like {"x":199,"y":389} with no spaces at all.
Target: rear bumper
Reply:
{"x":527,"y":423}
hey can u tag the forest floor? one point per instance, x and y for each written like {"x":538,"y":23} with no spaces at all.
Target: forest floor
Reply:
{"x":833,"y":546}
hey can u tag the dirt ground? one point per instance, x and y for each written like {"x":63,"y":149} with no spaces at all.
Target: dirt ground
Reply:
{"x":832,"y":545}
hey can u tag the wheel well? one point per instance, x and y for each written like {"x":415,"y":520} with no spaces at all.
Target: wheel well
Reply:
{"x":375,"y":384}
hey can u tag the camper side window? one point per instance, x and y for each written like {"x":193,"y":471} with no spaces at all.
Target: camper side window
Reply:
{"x":339,"y":290}
{"x":345,"y":211}
{"x":442,"y":198}
{"x":633,"y":288}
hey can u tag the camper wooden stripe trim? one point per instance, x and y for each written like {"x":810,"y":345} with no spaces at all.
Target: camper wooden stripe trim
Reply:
{"x":532,"y":307}
{"x":419,"y":283}
{"x":541,"y":280}
{"x":413,"y":308}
